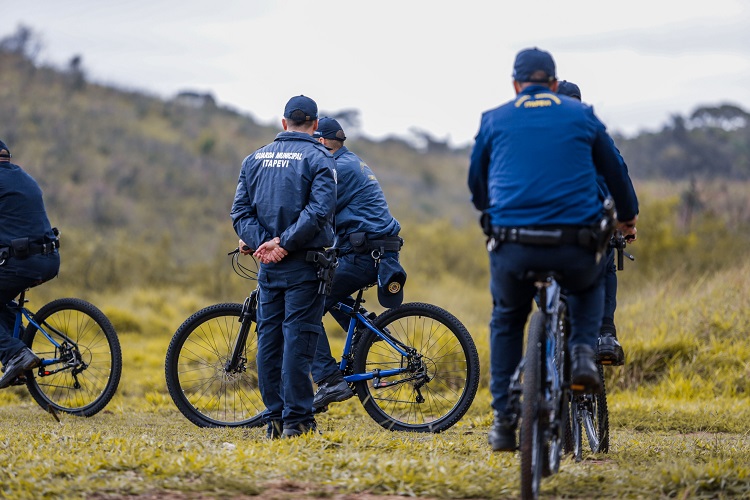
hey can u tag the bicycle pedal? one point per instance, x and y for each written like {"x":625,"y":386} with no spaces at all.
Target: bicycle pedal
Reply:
{"x":320,"y":410}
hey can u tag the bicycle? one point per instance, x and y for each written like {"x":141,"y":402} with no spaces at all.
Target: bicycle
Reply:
{"x":81,"y":360}
{"x":540,"y":389}
{"x":589,"y":412}
{"x":414,"y":367}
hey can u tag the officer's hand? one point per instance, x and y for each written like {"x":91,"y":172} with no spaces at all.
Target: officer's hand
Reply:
{"x":628,"y":229}
{"x":244,"y":249}
{"x":270,"y":251}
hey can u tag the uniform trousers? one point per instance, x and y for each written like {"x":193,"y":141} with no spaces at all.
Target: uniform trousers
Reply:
{"x":290,"y":310}
{"x":354,"y":272}
{"x":513,"y":293}
{"x":15,"y":277}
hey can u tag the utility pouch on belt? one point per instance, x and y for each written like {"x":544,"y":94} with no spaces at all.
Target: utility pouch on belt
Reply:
{"x":362,"y":244}
{"x":20,"y":247}
{"x":359,"y":242}
{"x":327,"y":264}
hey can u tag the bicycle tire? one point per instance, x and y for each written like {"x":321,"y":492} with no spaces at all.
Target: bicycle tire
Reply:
{"x":561,"y":441}
{"x":197,"y":380}
{"x":450,"y":365}
{"x":591,"y":415}
{"x":596,"y":420}
{"x":532,"y":444}
{"x":81,"y":389}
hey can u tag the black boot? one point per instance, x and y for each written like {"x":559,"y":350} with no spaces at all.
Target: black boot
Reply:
{"x":608,"y":349}
{"x":502,"y":436}
{"x":584,"y":374}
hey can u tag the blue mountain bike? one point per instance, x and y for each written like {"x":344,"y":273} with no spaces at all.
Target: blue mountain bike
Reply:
{"x":414,"y":367}
{"x":80,"y":353}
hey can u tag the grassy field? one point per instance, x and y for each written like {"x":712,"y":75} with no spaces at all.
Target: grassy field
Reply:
{"x":679,"y":414}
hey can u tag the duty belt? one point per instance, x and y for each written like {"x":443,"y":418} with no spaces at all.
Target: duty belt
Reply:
{"x":28,"y":249}
{"x":301,"y":254}
{"x":544,"y":236}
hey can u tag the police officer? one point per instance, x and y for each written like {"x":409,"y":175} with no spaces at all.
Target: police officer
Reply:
{"x":28,"y":257}
{"x":608,"y":348}
{"x":533,"y":171}
{"x":362,"y":216}
{"x":283,"y":208}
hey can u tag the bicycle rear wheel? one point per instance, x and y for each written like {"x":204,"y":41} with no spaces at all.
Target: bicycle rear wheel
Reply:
{"x":440,"y":375}
{"x":88,"y":372}
{"x":534,"y":451}
{"x":203,"y":388}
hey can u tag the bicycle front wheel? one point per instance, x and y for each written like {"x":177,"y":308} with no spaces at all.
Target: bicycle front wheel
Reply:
{"x":437,"y":379}
{"x":590,"y":414}
{"x":88,"y":363}
{"x":204,"y":387}
{"x":533,"y":446}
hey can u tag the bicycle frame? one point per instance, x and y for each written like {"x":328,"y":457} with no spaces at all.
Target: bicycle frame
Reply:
{"x":22,"y":312}
{"x":357,"y":318}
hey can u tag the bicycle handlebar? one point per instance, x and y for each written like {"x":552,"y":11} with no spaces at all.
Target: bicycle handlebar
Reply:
{"x":619,"y":242}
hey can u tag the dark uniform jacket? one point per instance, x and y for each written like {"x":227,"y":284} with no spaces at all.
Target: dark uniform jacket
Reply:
{"x":287,"y":189}
{"x":22,"y":215}
{"x":360,"y":203}
{"x":535,"y":163}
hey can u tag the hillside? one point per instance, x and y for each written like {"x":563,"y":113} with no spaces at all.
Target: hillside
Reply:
{"x":141,"y":186}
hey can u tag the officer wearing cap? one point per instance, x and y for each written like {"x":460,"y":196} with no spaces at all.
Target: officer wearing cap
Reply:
{"x":533,"y":170}
{"x":608,"y":348}
{"x":364,"y":225}
{"x":283,"y":208}
{"x":28,"y":257}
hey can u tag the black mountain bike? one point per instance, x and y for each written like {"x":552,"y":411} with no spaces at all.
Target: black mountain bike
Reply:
{"x":540,"y":388}
{"x":589,"y":413}
{"x":414,"y":367}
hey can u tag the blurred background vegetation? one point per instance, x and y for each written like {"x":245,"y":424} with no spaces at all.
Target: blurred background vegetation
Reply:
{"x":141,"y":188}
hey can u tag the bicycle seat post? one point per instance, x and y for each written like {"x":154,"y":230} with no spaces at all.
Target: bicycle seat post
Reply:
{"x":358,"y":301}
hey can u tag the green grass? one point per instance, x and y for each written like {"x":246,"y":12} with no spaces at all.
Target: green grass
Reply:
{"x":679,"y":414}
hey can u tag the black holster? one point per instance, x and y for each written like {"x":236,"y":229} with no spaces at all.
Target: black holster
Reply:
{"x":327,"y":263}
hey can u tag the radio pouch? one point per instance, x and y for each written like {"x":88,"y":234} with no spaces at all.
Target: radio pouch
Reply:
{"x":20,"y":248}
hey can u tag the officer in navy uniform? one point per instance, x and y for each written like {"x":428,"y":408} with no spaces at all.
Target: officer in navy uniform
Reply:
{"x":362,"y":211}
{"x":28,"y":257}
{"x":533,"y":172}
{"x":608,"y":348}
{"x":283,"y":208}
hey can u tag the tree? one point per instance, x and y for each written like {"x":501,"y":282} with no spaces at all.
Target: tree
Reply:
{"x":24,"y":42}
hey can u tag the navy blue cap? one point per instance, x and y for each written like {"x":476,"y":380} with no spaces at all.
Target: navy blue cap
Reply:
{"x":328,"y":128}
{"x":529,"y":61}
{"x":569,"y":89}
{"x":301,"y":108}
{"x":3,"y":146}
{"x":391,"y":280}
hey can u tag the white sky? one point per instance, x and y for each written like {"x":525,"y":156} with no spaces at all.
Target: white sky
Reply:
{"x":434,"y":65}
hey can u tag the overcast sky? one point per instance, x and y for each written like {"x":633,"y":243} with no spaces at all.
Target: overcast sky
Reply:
{"x":432,"y":65}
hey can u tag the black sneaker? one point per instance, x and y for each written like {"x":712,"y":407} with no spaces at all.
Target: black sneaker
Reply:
{"x":24,"y":360}
{"x":275,"y":429}
{"x":502,"y":436}
{"x":331,"y":392}
{"x":300,"y":429}
{"x":608,"y":349}
{"x":584,"y":374}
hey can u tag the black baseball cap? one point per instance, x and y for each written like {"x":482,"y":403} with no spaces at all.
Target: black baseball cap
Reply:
{"x":529,"y":61}
{"x":5,"y":147}
{"x":329,"y":128}
{"x":391,"y":280}
{"x":569,"y":89}
{"x":301,"y":108}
